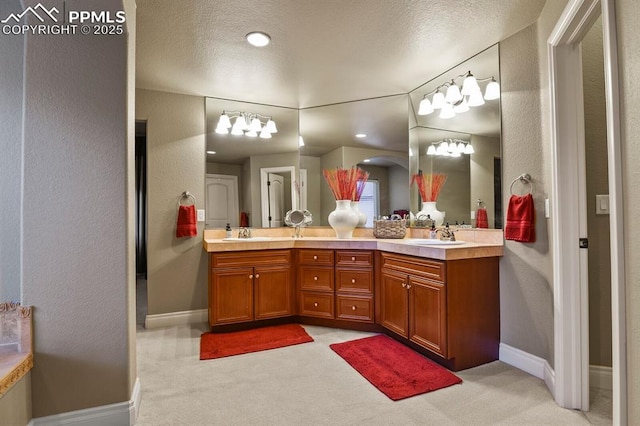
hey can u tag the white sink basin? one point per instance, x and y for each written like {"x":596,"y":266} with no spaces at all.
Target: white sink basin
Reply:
{"x":431,"y":242}
{"x":249,"y":240}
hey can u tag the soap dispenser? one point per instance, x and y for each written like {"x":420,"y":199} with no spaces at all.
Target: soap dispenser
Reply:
{"x":433,"y":234}
{"x":228,"y":229}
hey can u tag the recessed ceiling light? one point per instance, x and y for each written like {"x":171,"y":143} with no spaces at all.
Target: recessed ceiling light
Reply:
{"x":367,"y":160}
{"x":361,"y":135}
{"x":258,"y":39}
{"x":211,"y":152}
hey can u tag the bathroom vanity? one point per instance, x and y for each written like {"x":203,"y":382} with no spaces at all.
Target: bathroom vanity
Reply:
{"x":440,"y":300}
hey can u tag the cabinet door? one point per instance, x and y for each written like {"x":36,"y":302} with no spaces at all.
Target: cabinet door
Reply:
{"x":273,"y":292}
{"x":428,"y":314}
{"x":394,"y":302}
{"x":231,"y":296}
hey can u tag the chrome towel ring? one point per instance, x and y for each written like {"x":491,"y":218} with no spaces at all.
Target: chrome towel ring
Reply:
{"x":186,"y":195}
{"x":525,"y":179}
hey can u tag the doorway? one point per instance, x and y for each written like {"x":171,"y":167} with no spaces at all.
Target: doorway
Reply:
{"x":571,"y":357}
{"x":277,"y":194}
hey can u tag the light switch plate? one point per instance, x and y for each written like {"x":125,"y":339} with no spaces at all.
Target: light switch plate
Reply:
{"x":200,"y":215}
{"x":547,"y":213}
{"x":473,"y":214}
{"x":602,"y":204}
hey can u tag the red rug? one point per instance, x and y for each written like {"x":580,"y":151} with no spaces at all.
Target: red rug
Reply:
{"x":218,"y":345}
{"x":396,"y":370}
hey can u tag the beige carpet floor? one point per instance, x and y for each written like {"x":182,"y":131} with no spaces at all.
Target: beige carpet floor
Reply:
{"x":309,"y":384}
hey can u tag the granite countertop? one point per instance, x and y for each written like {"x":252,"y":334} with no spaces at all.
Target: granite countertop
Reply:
{"x":462,"y":250}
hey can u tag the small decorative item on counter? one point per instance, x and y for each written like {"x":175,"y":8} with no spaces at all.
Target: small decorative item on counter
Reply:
{"x":390,"y":228}
{"x":424,"y":221}
{"x":429,"y":186}
{"x":344,"y":185}
{"x":228,"y":229}
{"x":433,"y":233}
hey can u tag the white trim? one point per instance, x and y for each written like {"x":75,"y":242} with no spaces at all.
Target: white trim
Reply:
{"x":121,"y":413}
{"x":176,"y":318}
{"x":601,"y":377}
{"x":550,"y":378}
{"x":524,"y":361}
{"x":570,"y":351}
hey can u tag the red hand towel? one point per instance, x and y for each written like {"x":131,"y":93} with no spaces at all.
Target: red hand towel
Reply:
{"x":244,"y":219}
{"x":520,"y":219}
{"x":186,"y":226}
{"x":481,"y":218}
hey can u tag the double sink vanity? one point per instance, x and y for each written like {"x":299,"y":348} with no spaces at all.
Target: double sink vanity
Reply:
{"x":440,"y":299}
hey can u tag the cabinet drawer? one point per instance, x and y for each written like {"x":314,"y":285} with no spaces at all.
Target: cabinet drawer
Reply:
{"x":250,"y":258}
{"x":354,"y":308}
{"x":312,"y":278}
{"x":315,"y":304}
{"x":431,"y":269}
{"x":315,"y":257}
{"x":361,"y":258}
{"x":354,"y":280}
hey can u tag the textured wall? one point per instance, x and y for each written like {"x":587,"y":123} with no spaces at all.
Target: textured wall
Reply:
{"x":628,"y":16}
{"x":75,"y":237}
{"x":597,"y":183}
{"x":177,"y":268}
{"x":11,"y":84}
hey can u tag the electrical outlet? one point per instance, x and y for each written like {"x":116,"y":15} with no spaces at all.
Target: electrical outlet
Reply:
{"x":201,"y":215}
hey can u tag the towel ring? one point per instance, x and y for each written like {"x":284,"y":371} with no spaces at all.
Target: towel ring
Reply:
{"x":525,"y":179}
{"x":186,"y":195}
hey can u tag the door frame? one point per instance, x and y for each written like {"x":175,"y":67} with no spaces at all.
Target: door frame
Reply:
{"x":264,"y":194}
{"x":571,"y":320}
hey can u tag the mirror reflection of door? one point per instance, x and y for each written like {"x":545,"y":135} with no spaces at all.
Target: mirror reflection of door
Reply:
{"x":222,"y":201}
{"x":275,"y":213}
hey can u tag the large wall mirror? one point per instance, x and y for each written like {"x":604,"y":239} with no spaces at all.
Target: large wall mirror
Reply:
{"x":369,"y":133}
{"x":472,"y":174}
{"x":251,"y":172}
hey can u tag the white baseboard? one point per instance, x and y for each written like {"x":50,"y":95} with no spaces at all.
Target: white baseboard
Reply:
{"x":600,"y":377}
{"x":526,"y":362}
{"x":176,"y":318}
{"x":121,"y":413}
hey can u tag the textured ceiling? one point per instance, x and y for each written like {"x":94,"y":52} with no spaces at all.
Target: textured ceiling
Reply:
{"x":322,"y":51}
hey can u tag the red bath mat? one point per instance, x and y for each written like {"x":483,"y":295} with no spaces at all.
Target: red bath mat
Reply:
{"x":218,"y":345}
{"x":396,"y":370}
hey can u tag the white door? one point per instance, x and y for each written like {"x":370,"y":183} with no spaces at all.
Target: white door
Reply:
{"x":275,"y":189}
{"x":221,"y":193}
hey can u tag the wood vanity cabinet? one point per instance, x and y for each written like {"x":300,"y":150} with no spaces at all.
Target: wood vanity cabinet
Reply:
{"x":451,"y":308}
{"x":250,"y":285}
{"x":336,"y":284}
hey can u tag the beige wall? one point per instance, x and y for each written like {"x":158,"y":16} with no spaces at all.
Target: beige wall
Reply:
{"x":628,"y":16}
{"x":314,"y":181}
{"x":176,"y":268}
{"x":597,"y":183}
{"x":75,"y":232}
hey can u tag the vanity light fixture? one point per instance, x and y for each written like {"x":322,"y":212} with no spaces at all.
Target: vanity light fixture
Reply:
{"x":450,"y":148}
{"x":246,"y":123}
{"x":258,"y":38}
{"x":456,"y":100}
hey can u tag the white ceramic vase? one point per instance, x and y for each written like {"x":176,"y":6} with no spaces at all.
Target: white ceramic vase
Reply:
{"x":343,"y":219}
{"x":429,"y":208}
{"x":362,"y":217}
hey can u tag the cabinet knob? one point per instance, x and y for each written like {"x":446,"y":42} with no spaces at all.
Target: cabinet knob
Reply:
{"x":404,"y":284}
{"x":408,"y":286}
{"x":353,"y":308}
{"x":250,"y":277}
{"x":353,"y":258}
{"x":315,"y":278}
{"x":315,"y":257}
{"x":315,"y":304}
{"x":257,"y":275}
{"x":353,"y":280}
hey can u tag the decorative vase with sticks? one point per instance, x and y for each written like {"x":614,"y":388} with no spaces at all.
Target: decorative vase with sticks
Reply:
{"x":355,"y":199}
{"x":429,"y":186}
{"x":344,"y":186}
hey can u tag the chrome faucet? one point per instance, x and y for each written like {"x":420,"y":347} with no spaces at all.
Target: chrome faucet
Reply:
{"x":244,"y":233}
{"x":447,"y":234}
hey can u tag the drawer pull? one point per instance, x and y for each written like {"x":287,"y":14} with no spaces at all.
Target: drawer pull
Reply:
{"x":315,"y":304}
{"x":353,"y":280}
{"x":404,"y":284}
{"x":353,"y":308}
{"x":315,"y":278}
{"x":250,"y":277}
{"x":315,"y":257}
{"x":257,"y":275}
{"x":353,"y":258}
{"x":408,"y":286}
